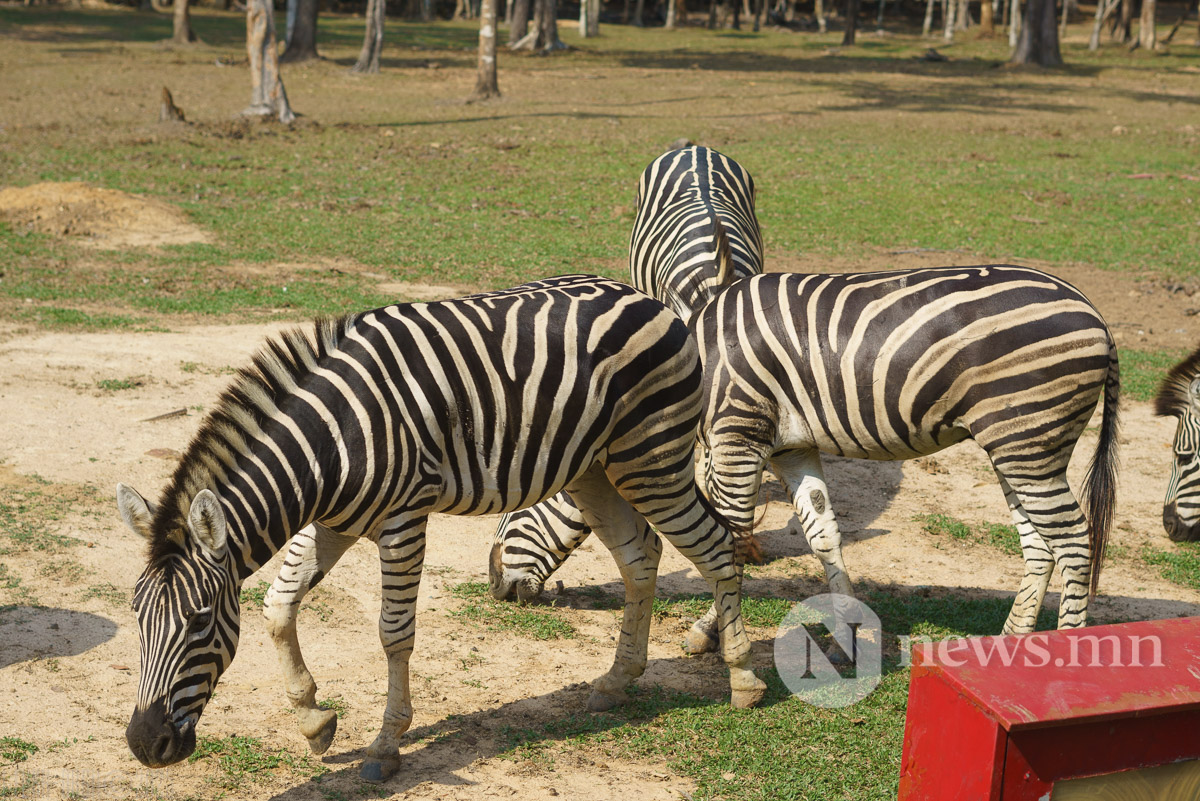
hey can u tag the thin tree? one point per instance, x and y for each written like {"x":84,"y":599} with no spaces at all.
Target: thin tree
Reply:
{"x":1038,"y":41}
{"x":519,"y":25}
{"x":589,"y":17}
{"x":267,"y":95}
{"x":1147,"y":35}
{"x":368,"y":57}
{"x":486,"y":84}
{"x":181,"y":21}
{"x":987,"y":20}
{"x":302,"y":43}
{"x":851,"y":22}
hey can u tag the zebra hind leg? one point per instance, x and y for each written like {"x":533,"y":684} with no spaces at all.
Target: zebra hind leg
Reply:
{"x":636,"y":549}
{"x":402,"y":555}
{"x":1039,"y":566}
{"x":801,"y":473}
{"x":311,"y":554}
{"x":1054,"y":512}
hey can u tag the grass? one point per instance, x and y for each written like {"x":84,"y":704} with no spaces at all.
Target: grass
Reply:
{"x":785,"y":749}
{"x":109,"y":593}
{"x":1143,"y":371}
{"x":1003,"y":537}
{"x":254,"y":595}
{"x":14,"y":750}
{"x":119,"y":384}
{"x":1181,"y":566}
{"x":248,"y":758}
{"x":30,"y":511}
{"x":391,"y":176}
{"x":538,"y":623}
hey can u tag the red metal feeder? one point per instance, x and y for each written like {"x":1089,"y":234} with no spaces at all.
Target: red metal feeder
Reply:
{"x":1110,"y":712}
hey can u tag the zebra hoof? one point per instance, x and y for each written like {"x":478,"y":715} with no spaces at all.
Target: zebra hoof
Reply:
{"x":602,"y":702}
{"x":378,"y":770}
{"x":319,"y":743}
{"x":699,"y":641}
{"x":746,"y":699}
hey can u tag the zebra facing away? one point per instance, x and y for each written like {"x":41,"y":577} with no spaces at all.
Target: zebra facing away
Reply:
{"x":1179,"y":397}
{"x":368,"y":425}
{"x":695,"y":233}
{"x":897,"y":365}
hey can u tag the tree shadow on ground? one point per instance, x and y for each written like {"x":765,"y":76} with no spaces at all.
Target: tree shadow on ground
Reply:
{"x":40,"y":632}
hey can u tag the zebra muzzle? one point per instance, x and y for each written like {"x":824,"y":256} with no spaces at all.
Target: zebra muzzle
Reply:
{"x":156,"y":740}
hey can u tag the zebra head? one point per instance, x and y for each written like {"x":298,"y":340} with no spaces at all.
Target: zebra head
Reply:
{"x":186,"y":602}
{"x":1179,"y":397}
{"x":529,"y":545}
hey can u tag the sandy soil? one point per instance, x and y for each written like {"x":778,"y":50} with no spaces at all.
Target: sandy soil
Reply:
{"x":75,"y":660}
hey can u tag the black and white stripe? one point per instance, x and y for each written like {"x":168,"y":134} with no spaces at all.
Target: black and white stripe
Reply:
{"x":1179,"y":397}
{"x":902,"y":364}
{"x":367,"y":426}
{"x":695,"y":233}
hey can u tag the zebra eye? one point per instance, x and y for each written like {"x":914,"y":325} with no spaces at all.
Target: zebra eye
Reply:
{"x":200,"y":618}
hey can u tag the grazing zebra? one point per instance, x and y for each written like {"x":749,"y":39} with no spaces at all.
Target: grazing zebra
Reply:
{"x":897,"y":365}
{"x":695,"y":232}
{"x":1179,"y":397}
{"x":367,"y":426}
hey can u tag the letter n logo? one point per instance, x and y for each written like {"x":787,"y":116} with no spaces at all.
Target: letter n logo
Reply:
{"x":804,"y":664}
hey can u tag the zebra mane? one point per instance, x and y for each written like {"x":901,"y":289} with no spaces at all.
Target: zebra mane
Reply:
{"x":236,"y":422}
{"x":1173,"y":398}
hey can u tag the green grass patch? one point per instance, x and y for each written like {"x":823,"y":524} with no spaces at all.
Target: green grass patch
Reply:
{"x":14,"y":750}
{"x":30,"y":510}
{"x":535,"y":622}
{"x":254,"y":594}
{"x":1143,"y":371}
{"x":786,"y":749}
{"x":248,"y":758}
{"x":109,"y":593}
{"x":1001,"y":536}
{"x":1181,"y":566}
{"x":119,"y":384}
{"x":76,"y":320}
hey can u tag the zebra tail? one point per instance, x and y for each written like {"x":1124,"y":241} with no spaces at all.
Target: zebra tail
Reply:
{"x":724,"y":253}
{"x":1100,"y":483}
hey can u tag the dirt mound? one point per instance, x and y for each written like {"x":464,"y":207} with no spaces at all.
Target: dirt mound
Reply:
{"x":102,"y":218}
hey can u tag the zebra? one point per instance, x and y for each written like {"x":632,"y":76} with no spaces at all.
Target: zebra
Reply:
{"x":1179,"y":397}
{"x":368,"y":424}
{"x":695,"y":232}
{"x":896,"y":365}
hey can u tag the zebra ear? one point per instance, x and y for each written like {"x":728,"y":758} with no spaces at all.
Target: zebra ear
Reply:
{"x":206,"y":520}
{"x":136,"y":511}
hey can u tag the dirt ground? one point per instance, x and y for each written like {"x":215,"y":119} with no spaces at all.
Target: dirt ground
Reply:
{"x":75,"y":660}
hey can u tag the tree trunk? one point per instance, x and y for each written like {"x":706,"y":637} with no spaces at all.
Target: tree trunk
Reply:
{"x":486,"y":84}
{"x":927,"y":28}
{"x":589,"y":18}
{"x":1038,"y":42}
{"x":182,"y":24}
{"x":1104,"y":10}
{"x":962,"y":19}
{"x":267,"y":95}
{"x":368,"y":57}
{"x":302,"y":46}
{"x":1014,"y":22}
{"x":1147,"y":35}
{"x":879,"y":16}
{"x":987,"y":20}
{"x":520,"y":21}
{"x":950,"y":9}
{"x":548,"y":26}
{"x":819,"y":12}
{"x":1122,"y":30}
{"x":851,"y":22}
{"x":670,"y":23}
{"x":638,"y":8}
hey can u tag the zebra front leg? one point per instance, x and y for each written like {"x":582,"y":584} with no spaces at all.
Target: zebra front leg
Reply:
{"x":636,"y":549}
{"x":1039,"y":566}
{"x":801,"y":473}
{"x":311,"y":554}
{"x":1055,"y":514}
{"x":401,"y":555}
